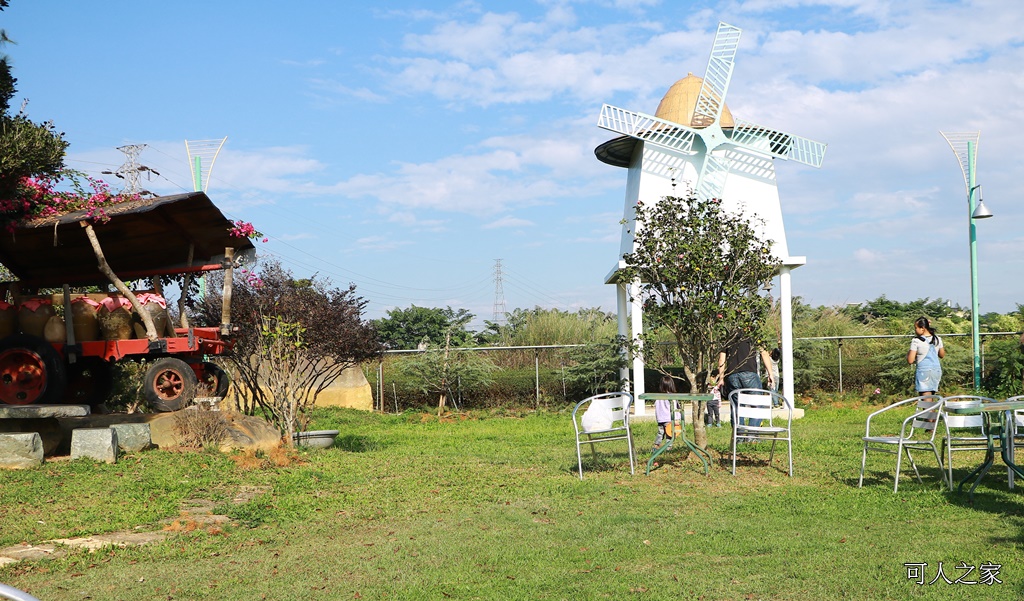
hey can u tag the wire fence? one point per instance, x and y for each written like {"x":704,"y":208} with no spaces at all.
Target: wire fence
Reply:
{"x":539,"y":375}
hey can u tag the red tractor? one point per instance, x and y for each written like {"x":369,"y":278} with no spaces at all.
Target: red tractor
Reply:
{"x":138,"y":240}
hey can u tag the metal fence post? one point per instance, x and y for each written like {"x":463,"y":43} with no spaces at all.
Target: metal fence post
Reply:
{"x":840,"y":366}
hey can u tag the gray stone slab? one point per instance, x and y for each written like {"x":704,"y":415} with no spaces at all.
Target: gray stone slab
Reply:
{"x":21,"y":450}
{"x":133,"y":437}
{"x":38,"y":411}
{"x":99,"y":444}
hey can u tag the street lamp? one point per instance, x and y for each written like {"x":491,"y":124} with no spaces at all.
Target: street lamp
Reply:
{"x":965,"y":145}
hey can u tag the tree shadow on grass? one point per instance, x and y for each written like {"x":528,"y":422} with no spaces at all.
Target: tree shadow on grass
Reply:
{"x":357,"y":444}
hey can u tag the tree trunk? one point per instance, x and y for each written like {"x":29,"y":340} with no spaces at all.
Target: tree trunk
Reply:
{"x":147,"y":320}
{"x":697,"y":410}
{"x":700,"y":433}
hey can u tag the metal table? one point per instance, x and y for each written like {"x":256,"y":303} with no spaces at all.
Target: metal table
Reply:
{"x":675,"y":399}
{"x":998,"y":420}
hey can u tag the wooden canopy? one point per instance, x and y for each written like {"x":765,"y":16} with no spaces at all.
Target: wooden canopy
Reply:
{"x":141,"y":238}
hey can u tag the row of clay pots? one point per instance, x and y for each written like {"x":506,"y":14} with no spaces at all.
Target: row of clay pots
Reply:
{"x":91,"y":320}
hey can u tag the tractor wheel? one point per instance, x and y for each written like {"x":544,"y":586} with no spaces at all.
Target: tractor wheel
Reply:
{"x":214,"y":381}
{"x":170,"y":384}
{"x":31,"y":371}
{"x":90,"y":382}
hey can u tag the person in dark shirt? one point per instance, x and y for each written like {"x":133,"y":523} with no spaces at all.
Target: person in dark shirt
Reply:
{"x":738,"y":363}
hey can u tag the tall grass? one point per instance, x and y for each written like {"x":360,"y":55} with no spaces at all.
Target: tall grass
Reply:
{"x":490,"y":507}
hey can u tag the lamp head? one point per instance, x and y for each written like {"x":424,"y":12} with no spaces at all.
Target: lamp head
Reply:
{"x":980,"y":210}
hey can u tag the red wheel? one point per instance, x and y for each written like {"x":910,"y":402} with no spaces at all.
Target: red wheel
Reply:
{"x":170,"y":384}
{"x":213,"y":382}
{"x":31,"y":371}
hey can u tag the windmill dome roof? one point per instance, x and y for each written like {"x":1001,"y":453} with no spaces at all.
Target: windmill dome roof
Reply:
{"x":676,"y":106}
{"x":680,"y":101}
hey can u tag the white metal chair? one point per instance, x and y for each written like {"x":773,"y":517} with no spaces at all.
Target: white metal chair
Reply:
{"x":750,"y":405}
{"x":603,"y":418}
{"x":964,"y":432}
{"x":917,"y":433}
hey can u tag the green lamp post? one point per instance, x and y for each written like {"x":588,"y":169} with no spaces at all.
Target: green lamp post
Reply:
{"x":965,"y":145}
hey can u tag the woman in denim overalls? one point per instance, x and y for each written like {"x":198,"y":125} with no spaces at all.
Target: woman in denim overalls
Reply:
{"x":926,"y":349}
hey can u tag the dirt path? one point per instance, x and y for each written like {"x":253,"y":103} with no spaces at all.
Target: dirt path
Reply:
{"x":195,"y":514}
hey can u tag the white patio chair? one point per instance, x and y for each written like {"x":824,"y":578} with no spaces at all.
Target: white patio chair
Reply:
{"x":603,"y":418}
{"x":916,"y":433}
{"x":749,"y":405}
{"x":965,"y":432}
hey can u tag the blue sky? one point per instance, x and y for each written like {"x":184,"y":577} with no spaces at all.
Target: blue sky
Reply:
{"x":404,"y":146}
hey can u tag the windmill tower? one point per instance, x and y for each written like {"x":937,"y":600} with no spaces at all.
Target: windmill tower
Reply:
{"x":694,"y":140}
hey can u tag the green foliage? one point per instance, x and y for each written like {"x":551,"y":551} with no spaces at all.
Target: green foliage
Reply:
{"x":537,"y":327}
{"x":405,"y":329}
{"x":444,"y":371}
{"x":295,"y":337}
{"x":1005,"y":367}
{"x":883,"y":308}
{"x":595,"y":369}
{"x":702,"y":270}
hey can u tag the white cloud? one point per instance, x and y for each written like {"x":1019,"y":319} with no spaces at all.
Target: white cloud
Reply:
{"x":378,"y":243}
{"x":508,"y":221}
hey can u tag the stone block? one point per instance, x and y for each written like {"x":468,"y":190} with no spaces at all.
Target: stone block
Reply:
{"x":94,"y":443}
{"x":133,"y":437}
{"x":21,"y":450}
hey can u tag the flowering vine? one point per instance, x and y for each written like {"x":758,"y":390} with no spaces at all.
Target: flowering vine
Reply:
{"x":244,"y":229}
{"x":41,"y":197}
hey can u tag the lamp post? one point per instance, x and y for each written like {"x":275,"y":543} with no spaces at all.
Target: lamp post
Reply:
{"x":965,"y":145}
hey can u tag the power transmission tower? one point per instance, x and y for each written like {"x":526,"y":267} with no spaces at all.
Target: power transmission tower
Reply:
{"x":131,"y":169}
{"x":499,"y":294}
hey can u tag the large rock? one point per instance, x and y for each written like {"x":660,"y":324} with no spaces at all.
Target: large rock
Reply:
{"x":21,"y":450}
{"x":133,"y":437}
{"x":94,"y":443}
{"x":48,"y":428}
{"x":351,"y":390}
{"x":240,"y":431}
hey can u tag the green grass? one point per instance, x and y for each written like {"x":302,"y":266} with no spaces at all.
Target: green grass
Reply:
{"x":489,"y":507}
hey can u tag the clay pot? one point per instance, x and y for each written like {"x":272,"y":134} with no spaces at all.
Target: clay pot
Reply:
{"x":33,"y":315}
{"x":55,"y":330}
{"x":84,"y":320}
{"x":155,"y":306}
{"x":8,"y":319}
{"x":116,"y":324}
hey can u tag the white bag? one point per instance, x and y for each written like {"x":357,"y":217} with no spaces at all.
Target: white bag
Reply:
{"x":596,"y":418}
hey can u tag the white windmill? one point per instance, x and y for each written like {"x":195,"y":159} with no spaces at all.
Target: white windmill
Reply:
{"x":693,"y":139}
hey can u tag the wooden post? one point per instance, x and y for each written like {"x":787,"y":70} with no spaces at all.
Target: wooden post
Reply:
{"x":225,"y":309}
{"x":185,"y":286}
{"x":69,"y":323}
{"x":116,"y":281}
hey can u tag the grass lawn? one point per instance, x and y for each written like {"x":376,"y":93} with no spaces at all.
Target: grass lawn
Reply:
{"x":491,"y":507}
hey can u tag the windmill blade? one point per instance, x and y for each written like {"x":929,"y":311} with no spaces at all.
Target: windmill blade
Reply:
{"x":778,"y":144}
{"x":717,"y":77}
{"x":647,"y":128}
{"x":713,"y":172}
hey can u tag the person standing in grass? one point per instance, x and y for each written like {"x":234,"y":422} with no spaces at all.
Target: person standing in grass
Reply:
{"x":714,"y":416}
{"x":663,"y":411}
{"x":737,"y":364}
{"x":926,"y":349}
